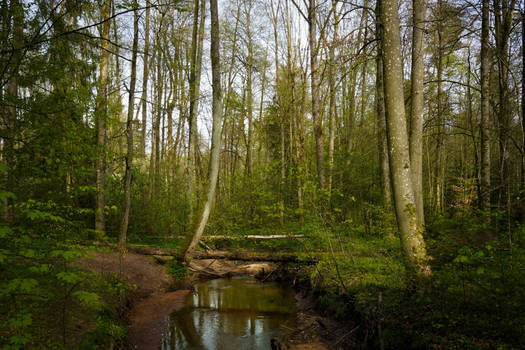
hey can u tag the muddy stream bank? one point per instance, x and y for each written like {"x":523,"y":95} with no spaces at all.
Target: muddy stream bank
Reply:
{"x":222,"y":306}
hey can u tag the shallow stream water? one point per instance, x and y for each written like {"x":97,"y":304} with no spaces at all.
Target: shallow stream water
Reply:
{"x":234,"y":313}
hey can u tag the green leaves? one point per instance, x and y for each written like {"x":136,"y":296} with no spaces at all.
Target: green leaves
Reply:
{"x":69,"y":277}
{"x":88,"y":299}
{"x":19,"y":285}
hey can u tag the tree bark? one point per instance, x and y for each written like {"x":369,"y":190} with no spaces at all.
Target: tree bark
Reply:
{"x":17,"y":12}
{"x":217,"y":114}
{"x":145,"y":76}
{"x":194,"y":83}
{"x":314,"y":74}
{"x":101,"y":110}
{"x":384,"y":170}
{"x":417,"y":106}
{"x":485,"y":108}
{"x":409,"y":233}
{"x":129,"y":132}
{"x":332,"y":106}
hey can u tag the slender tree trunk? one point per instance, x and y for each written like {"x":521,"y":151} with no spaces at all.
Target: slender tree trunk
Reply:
{"x":194,"y":83}
{"x":332,"y":107}
{"x":384,"y":170}
{"x":417,"y":106}
{"x":217,"y":112}
{"x":129,"y":132}
{"x":485,"y":108}
{"x":523,"y":99}
{"x":409,"y":233}
{"x":101,"y":110}
{"x":282,"y":178}
{"x":249,"y":92}
{"x":145,"y":76}
{"x":316,"y":101}
{"x":503,"y":14}
{"x":17,"y":13}
{"x":440,"y":143}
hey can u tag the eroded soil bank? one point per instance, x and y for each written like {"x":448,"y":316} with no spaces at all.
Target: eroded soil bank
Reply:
{"x":153,"y":299}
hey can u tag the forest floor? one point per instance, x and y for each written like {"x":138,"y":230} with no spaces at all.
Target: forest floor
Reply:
{"x":153,"y":298}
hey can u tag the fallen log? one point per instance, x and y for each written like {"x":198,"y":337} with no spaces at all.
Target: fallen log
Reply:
{"x":252,"y":237}
{"x":248,"y":256}
{"x":213,"y":254}
{"x":208,"y":238}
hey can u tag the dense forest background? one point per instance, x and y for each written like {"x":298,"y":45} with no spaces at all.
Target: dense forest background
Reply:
{"x":106,"y":135}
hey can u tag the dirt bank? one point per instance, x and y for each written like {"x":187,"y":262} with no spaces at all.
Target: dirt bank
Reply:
{"x":151,"y":300}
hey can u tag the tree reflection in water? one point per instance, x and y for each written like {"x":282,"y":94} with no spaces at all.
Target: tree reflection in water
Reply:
{"x":236,"y":313}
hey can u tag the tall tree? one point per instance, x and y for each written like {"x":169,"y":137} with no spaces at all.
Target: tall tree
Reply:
{"x":410,"y":235}
{"x":384,"y":170}
{"x":101,"y":110}
{"x":416,"y":111}
{"x":194,"y":85}
{"x":485,"y":107}
{"x":503,"y":23}
{"x":315,"y":88}
{"x":16,"y":11}
{"x":217,"y":115}
{"x":145,"y":76}
{"x":129,"y":131}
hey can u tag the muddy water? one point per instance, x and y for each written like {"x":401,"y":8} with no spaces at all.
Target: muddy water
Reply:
{"x":236,"y":313}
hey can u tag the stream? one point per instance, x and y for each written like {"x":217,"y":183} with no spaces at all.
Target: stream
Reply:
{"x":234,"y":313}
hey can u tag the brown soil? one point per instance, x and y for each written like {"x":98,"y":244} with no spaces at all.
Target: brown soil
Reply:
{"x":150,"y":300}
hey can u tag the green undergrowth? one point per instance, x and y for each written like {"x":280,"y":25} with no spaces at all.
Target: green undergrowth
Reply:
{"x":48,"y":299}
{"x":474,"y":299}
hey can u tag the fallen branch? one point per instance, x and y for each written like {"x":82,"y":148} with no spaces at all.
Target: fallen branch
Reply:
{"x":241,"y":256}
{"x":252,"y":237}
{"x":209,"y":238}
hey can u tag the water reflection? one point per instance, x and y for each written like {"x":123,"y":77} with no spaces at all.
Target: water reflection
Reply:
{"x":236,"y":313}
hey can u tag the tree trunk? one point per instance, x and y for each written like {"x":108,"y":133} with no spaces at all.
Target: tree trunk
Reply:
{"x":416,"y":112}
{"x":249,"y":91}
{"x":409,"y":233}
{"x":384,"y":170}
{"x":194,"y":83}
{"x":17,"y":11}
{"x":216,"y":129}
{"x":314,"y":74}
{"x":485,"y":108}
{"x":332,"y":107}
{"x":145,"y":76}
{"x":129,"y":132}
{"x":101,"y":110}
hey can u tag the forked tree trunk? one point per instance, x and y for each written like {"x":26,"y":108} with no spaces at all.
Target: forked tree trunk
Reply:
{"x":217,"y":114}
{"x":409,"y":233}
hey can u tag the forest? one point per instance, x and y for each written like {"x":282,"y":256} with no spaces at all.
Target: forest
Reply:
{"x":369,"y":154}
